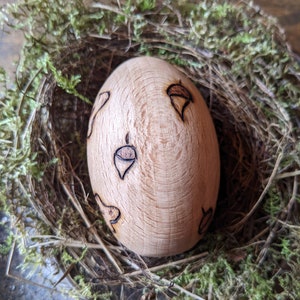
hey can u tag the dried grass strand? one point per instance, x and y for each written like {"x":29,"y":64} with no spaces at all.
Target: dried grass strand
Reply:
{"x":283,"y":215}
{"x":236,"y":227}
{"x":169,"y":264}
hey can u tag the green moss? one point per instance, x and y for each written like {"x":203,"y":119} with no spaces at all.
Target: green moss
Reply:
{"x":6,"y":244}
{"x":221,"y":279}
{"x":67,"y":84}
{"x":273,"y":203}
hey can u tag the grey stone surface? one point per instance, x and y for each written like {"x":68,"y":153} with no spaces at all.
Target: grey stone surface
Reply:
{"x":29,"y":284}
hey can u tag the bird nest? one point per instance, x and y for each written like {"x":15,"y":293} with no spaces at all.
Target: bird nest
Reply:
{"x":256,"y":129}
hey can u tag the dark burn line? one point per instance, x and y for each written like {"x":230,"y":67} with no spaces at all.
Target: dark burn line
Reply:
{"x":127,"y":138}
{"x":205,"y":220}
{"x":178,"y":90}
{"x":125,"y":154}
{"x":103,"y":98}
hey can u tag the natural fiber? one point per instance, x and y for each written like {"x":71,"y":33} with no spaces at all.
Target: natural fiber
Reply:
{"x":256,"y":128}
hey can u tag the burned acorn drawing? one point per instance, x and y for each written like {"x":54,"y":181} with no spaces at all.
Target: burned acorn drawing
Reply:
{"x":124,"y":158}
{"x":153,"y":156}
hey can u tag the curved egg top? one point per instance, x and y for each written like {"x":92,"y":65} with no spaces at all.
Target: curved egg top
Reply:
{"x":153,"y":158}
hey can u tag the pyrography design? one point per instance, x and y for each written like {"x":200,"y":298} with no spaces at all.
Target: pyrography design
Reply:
{"x":180,"y":98}
{"x":110,"y":212}
{"x":100,"y":101}
{"x":205,"y":220}
{"x":124,"y":158}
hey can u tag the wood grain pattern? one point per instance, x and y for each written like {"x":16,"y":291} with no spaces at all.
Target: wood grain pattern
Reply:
{"x":153,"y":157}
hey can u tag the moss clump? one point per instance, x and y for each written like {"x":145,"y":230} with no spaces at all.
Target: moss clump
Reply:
{"x":239,"y":60}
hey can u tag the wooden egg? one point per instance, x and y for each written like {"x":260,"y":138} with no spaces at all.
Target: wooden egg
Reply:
{"x":153,"y":158}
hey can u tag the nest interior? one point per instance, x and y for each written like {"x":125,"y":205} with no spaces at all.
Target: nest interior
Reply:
{"x":250,"y":143}
{"x":245,"y":145}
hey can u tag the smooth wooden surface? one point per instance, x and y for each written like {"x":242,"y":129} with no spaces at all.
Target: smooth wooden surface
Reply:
{"x":153,"y":158}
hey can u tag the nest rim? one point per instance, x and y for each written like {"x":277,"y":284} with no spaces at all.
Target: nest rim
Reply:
{"x":254,"y":171}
